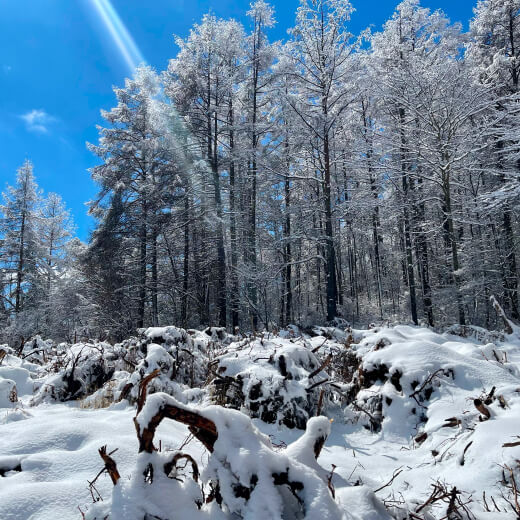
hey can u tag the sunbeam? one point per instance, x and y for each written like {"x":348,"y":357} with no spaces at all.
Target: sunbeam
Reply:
{"x":120,"y":35}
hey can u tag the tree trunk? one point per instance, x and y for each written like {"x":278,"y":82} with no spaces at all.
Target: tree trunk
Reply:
{"x":235,"y":291}
{"x":453,"y":246}
{"x":288,"y":252}
{"x":186,"y":263}
{"x":155,"y":303}
{"x":332,"y":291}
{"x":20,"y":267}
{"x":406,"y":220}
{"x":142,"y":266}
{"x":221,"y":253}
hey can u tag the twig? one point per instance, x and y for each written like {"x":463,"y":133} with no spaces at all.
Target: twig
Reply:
{"x":329,"y":481}
{"x":316,"y":384}
{"x":397,"y":472}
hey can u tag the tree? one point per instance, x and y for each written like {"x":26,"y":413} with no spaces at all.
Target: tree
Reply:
{"x":258,"y":60}
{"x":20,"y":244}
{"x":494,"y":52}
{"x":54,"y":229}
{"x":200,"y":81}
{"x":134,"y":177}
{"x":321,"y":52}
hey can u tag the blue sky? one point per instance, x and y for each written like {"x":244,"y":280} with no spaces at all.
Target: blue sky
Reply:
{"x":58,"y":64}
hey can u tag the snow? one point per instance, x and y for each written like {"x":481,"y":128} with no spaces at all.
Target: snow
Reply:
{"x":410,"y":379}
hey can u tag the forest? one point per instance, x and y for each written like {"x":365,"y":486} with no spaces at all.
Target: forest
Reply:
{"x":253,"y":184}
{"x":299,"y":299}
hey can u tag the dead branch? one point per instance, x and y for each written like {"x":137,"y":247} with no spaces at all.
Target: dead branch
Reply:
{"x":452,"y":422}
{"x":514,"y":490}
{"x":486,"y":506}
{"x":324,"y":365}
{"x":495,"y":504}
{"x":354,"y":404}
{"x":110,"y":464}
{"x":452,"y":506}
{"x":202,"y":428}
{"x":317,"y":384}
{"x":315,"y":349}
{"x":510,"y":444}
{"x":490,"y":397}
{"x":125,"y":392}
{"x":437,"y":494}
{"x":462,"y":460}
{"x":35,"y":351}
{"x":426,"y":382}
{"x":479,"y":405}
{"x":329,"y":481}
{"x":172,"y":464}
{"x":142,"y":389}
{"x":421,"y":438}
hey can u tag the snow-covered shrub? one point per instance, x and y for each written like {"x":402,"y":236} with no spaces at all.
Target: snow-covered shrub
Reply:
{"x":77,"y":371}
{"x":275,"y":380}
{"x":181,"y":357}
{"x":190,"y":350}
{"x":402,"y":372}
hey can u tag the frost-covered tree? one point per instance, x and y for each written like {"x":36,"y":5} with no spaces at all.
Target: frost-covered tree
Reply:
{"x":430,"y":102}
{"x":259,"y":56}
{"x":55,"y":229}
{"x":321,"y":51}
{"x":134,"y":182}
{"x":20,"y":246}
{"x":200,"y":81}
{"x":494,"y":53}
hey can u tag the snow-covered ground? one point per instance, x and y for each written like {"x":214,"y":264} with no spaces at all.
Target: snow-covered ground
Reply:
{"x":420,"y":420}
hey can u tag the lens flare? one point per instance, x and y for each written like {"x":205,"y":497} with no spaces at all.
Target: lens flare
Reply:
{"x":119,"y":33}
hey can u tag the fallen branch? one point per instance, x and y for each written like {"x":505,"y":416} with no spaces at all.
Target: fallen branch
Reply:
{"x":510,"y":444}
{"x":329,"y":481}
{"x":172,"y":464}
{"x":421,"y":438}
{"x":452,"y":422}
{"x":317,"y":384}
{"x":462,"y":460}
{"x":203,"y":429}
{"x":426,"y":382}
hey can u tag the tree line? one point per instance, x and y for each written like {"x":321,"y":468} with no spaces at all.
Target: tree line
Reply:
{"x":255,"y":183}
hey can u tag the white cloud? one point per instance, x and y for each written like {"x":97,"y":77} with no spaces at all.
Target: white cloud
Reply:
{"x":37,"y":121}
